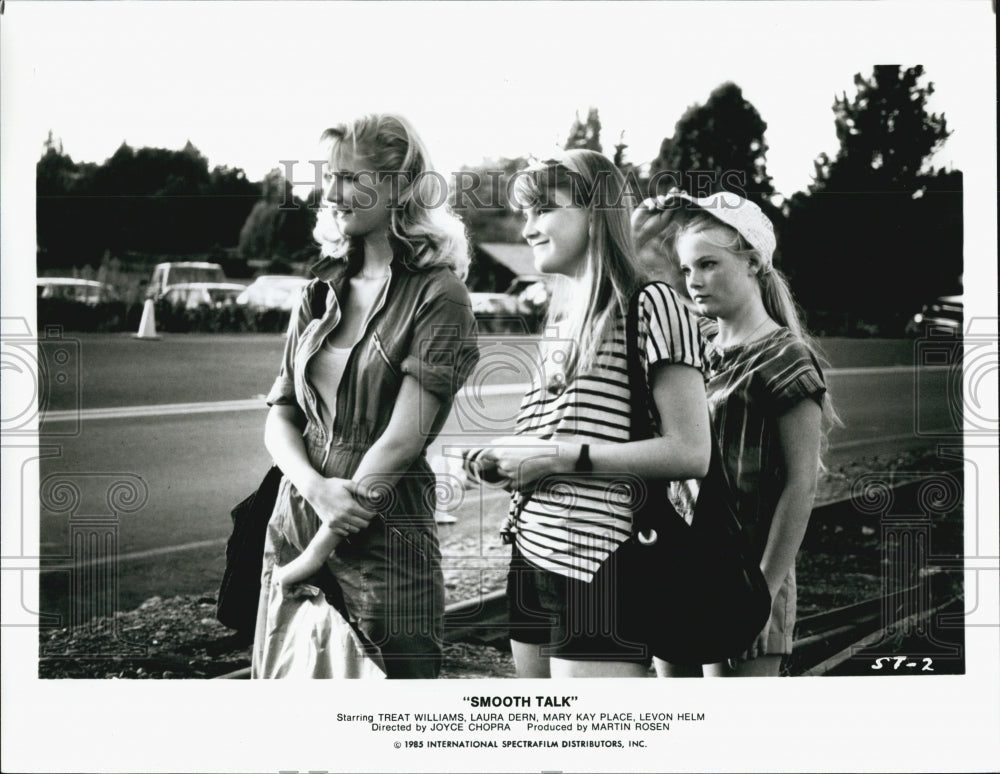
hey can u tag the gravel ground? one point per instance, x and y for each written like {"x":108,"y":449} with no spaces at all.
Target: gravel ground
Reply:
{"x":179,"y":637}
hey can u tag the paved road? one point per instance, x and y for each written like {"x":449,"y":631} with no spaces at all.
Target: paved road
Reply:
{"x":115,"y":370}
{"x":195,"y":466}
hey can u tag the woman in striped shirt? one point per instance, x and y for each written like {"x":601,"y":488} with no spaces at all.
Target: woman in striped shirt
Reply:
{"x":571,"y":462}
{"x":766,"y":394}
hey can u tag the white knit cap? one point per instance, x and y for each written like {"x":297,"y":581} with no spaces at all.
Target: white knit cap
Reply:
{"x":738,"y":213}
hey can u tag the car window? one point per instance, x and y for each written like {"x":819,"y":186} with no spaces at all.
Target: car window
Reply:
{"x":179,"y":274}
{"x":220,"y":295}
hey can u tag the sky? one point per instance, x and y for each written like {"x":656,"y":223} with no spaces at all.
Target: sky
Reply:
{"x":255,"y":83}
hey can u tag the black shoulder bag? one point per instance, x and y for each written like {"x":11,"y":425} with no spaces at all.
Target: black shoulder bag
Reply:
{"x":707,"y":596}
{"x":239,"y":591}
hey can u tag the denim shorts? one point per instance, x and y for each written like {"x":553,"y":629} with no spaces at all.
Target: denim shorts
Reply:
{"x":574,"y":620}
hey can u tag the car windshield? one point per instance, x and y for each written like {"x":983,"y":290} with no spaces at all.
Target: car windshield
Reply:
{"x":946,"y":307}
{"x":75,"y":291}
{"x":281,"y":282}
{"x":221,"y":294}
{"x":179,"y":274}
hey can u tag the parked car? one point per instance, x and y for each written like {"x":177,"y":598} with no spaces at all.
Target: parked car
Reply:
{"x":273,"y":291}
{"x":514,"y":299}
{"x":89,"y":292}
{"x":191,"y":295}
{"x":944,"y":313}
{"x":173,"y":273}
{"x":493,"y":304}
{"x":520,"y":308}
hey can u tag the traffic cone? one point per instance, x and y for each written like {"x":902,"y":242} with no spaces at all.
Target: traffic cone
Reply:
{"x":147,"y":325}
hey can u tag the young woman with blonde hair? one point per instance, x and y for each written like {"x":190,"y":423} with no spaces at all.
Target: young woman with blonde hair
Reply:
{"x":361,"y":393}
{"x":572,"y":454}
{"x":766,"y":392}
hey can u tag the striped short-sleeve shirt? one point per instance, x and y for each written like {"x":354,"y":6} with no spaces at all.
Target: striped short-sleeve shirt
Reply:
{"x":749,"y":387}
{"x":571,"y":525}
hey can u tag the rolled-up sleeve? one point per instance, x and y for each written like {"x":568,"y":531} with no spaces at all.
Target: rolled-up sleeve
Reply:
{"x":283,"y":390}
{"x":443,"y":349}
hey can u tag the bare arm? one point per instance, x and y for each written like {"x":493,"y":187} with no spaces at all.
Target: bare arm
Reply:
{"x":403,"y":440}
{"x":310,"y":560}
{"x":799,"y":437}
{"x":682,"y":451}
{"x":381,"y":466}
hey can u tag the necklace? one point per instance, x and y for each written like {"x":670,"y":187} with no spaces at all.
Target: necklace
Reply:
{"x":362,"y":275}
{"x":749,"y":336}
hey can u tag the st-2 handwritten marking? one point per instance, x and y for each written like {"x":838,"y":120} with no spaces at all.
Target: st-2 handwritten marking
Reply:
{"x":904,"y":661}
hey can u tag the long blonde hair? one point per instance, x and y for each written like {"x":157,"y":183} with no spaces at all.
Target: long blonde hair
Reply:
{"x":590,"y":307}
{"x":421,"y":221}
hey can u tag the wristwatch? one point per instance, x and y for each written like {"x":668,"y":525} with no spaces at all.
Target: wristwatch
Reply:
{"x":583,"y":463}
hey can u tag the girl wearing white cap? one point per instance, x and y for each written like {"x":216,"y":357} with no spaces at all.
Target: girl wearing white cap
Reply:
{"x":767,"y":396}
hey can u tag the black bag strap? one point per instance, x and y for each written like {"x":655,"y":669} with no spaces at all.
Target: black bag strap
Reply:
{"x":713,"y":487}
{"x":641,"y":409}
{"x":639,"y":397}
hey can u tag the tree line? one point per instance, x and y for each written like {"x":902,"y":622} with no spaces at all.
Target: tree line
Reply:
{"x":877,"y":233}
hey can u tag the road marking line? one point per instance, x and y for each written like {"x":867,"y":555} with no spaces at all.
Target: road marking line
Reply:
{"x":206,"y":407}
{"x":925,"y":435}
{"x":486,"y":391}
{"x":883,"y":370}
{"x":159,"y":409}
{"x":148,"y":554}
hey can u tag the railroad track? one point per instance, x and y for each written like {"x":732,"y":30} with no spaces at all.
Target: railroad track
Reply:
{"x":824,"y":641}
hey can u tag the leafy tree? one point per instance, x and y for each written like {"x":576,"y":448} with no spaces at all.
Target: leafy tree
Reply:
{"x":479,"y":198}
{"x":67,"y":221}
{"x":149,"y":200}
{"x":275,"y":231}
{"x":585,"y":134}
{"x":879,"y":231}
{"x":619,"y":157}
{"x":886,"y":135}
{"x":716,"y":146}
{"x":229,"y":197}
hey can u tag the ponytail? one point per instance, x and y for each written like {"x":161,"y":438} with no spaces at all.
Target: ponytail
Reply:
{"x":779,"y":302}
{"x":781,"y":307}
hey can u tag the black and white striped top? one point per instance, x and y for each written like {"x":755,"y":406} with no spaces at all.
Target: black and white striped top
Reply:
{"x":570,"y":525}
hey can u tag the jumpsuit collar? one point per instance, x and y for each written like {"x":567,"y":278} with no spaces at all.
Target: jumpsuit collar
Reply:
{"x":337,"y":270}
